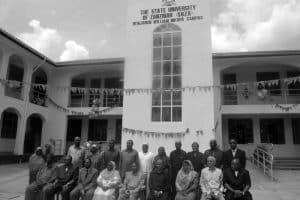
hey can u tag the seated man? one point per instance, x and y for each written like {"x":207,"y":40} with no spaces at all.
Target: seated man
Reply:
{"x":87,"y":182}
{"x":237,"y":182}
{"x":159,"y":184}
{"x":133,"y":184}
{"x":66,"y":177}
{"x":211,"y":181}
{"x":44,"y":176}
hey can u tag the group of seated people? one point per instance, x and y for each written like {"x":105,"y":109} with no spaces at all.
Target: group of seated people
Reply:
{"x":88,"y":174}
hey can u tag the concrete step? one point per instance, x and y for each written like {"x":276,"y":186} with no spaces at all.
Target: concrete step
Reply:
{"x":287,"y":167}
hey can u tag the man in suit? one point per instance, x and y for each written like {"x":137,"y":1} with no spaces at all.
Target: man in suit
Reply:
{"x":87,"y":182}
{"x":237,"y":182}
{"x":232,"y":153}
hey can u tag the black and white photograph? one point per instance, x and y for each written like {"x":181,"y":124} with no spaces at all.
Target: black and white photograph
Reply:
{"x":149,"y":99}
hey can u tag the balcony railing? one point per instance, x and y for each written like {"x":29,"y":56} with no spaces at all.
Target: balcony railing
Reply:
{"x":38,"y":98}
{"x":86,"y":100}
{"x":263,"y":96}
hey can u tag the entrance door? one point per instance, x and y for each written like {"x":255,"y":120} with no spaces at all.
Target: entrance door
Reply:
{"x":272,"y":131}
{"x":98,"y":130}
{"x":33,"y":134}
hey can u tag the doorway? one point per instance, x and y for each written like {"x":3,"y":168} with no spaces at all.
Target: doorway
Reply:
{"x":33,"y":134}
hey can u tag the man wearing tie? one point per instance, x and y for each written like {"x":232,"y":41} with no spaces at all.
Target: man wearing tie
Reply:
{"x":87,"y":182}
{"x":233,"y":153}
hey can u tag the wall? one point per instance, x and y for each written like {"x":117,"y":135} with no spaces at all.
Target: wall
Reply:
{"x":197,"y":108}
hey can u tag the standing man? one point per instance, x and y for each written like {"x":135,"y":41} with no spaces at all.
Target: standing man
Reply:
{"x":215,"y":152}
{"x":76,"y":151}
{"x":46,"y":174}
{"x":66,"y":177}
{"x":127,"y":157}
{"x":237,"y":182}
{"x":176,"y":159}
{"x":211,"y":181}
{"x":36,"y":161}
{"x":95,"y":157}
{"x":146,"y":159}
{"x":87,"y":182}
{"x":111,"y":155}
{"x":233,"y":153}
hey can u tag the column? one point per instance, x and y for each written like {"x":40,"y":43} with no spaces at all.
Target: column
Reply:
{"x":3,"y":69}
{"x":84,"y":129}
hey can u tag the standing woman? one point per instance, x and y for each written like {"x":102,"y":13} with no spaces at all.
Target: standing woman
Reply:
{"x":186,"y":182}
{"x":108,"y":180}
{"x":36,"y":161}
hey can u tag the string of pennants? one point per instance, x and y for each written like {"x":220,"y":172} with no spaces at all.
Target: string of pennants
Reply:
{"x":286,"y":108}
{"x":157,"y":134}
{"x":129,"y":91}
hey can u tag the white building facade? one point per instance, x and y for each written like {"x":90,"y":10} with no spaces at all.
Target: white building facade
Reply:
{"x":169,"y":54}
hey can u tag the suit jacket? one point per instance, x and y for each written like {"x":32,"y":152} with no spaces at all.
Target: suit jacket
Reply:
{"x":87,"y":180}
{"x":238,"y":182}
{"x":228,"y":157}
{"x":66,"y":174}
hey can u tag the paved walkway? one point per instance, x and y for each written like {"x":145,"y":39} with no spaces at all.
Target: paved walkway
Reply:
{"x":14,"y":179}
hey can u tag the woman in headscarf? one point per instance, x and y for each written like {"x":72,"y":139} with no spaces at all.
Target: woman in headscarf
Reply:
{"x":36,"y":161}
{"x":108,"y":180}
{"x":159,"y":184}
{"x":186,"y":182}
{"x":163,"y":157}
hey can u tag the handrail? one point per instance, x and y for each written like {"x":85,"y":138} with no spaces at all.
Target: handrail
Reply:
{"x":263,"y":159}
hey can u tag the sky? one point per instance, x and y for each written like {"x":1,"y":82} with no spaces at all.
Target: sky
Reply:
{"x":87,"y":29}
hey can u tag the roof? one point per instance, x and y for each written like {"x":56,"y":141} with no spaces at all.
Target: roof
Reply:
{"x":122,"y":60}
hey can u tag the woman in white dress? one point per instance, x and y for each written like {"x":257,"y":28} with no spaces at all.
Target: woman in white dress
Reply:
{"x":108,"y":180}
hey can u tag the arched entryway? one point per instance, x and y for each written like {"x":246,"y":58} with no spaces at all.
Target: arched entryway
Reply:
{"x":33,"y":133}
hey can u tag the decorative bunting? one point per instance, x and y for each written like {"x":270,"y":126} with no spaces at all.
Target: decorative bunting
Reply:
{"x":286,"y":108}
{"x":130,"y":91}
{"x":160,"y":134}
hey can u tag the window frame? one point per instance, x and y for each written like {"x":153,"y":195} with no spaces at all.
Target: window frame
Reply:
{"x":167,"y":109}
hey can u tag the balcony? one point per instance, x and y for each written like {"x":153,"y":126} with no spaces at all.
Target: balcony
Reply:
{"x":260,"y":96}
{"x":86,"y":100}
{"x":38,"y":98}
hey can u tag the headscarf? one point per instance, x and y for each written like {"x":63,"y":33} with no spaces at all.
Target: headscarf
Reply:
{"x":109,"y":175}
{"x":185,"y":180}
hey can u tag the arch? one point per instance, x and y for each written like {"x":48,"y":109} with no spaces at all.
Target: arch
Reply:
{"x":168,"y":27}
{"x":37,"y":95}
{"x":10,"y":119}
{"x":15,"y":72}
{"x":33,"y":132}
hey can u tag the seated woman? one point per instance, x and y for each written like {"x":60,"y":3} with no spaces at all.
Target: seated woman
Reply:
{"x":237,"y":182}
{"x":159,"y":184}
{"x":186,"y":182}
{"x":108,"y":180}
{"x":133,"y":184}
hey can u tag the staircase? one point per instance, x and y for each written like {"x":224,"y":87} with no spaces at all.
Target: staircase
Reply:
{"x":286,"y":163}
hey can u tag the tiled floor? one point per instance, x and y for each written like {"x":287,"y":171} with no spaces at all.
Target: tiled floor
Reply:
{"x":14,"y":179}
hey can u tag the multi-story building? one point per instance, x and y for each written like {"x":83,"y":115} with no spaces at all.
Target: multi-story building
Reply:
{"x":54,"y":101}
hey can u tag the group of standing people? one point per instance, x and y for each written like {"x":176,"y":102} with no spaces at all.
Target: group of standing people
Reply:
{"x":89,"y":174}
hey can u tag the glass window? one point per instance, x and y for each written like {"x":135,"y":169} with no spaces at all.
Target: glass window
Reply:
{"x":272,"y":131}
{"x":166,"y":106}
{"x":241,"y":130}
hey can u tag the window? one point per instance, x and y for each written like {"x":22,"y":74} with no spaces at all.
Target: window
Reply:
{"x":116,"y":99}
{"x":77,"y":97}
{"x":266,"y":76}
{"x":74,"y":129}
{"x":294,"y":88}
{"x":296,"y":130}
{"x":167,"y":74}
{"x":241,"y":129}
{"x":272,"y":131}
{"x":95,"y":83}
{"x":15,"y":73}
{"x":9,"y":125}
{"x":230,"y":96}
{"x":97,"y":130}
